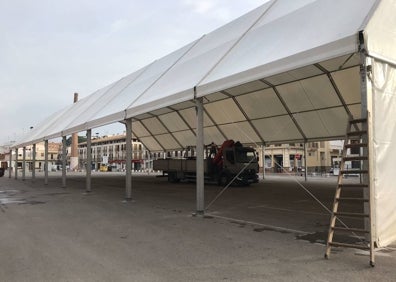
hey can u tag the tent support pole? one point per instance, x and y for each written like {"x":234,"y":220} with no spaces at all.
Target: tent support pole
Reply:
{"x":200,"y":155}
{"x":128,"y":163}
{"x":64,"y":162}
{"x":305,"y":161}
{"x":367,"y":111}
{"x":88,"y":168}
{"x":263,"y":159}
{"x":24,"y":163}
{"x":16,"y":163}
{"x":33,"y":155}
{"x":46,"y":162}
{"x":10,"y":167}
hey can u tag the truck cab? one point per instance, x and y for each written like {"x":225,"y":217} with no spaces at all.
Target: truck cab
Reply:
{"x":236,"y":163}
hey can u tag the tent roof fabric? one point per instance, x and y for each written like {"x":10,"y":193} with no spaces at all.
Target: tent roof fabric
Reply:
{"x":286,"y":71}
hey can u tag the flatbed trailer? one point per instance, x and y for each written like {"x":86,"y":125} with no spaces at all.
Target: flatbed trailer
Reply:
{"x":232,"y":162}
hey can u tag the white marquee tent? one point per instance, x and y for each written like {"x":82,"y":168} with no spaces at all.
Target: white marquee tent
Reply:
{"x":287,"y":71}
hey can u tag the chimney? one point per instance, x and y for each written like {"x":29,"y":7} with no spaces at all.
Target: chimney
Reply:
{"x":74,"y":145}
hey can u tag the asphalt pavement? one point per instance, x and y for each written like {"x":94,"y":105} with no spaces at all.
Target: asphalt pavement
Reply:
{"x":272,"y":231}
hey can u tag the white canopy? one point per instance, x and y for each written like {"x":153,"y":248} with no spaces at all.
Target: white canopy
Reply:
{"x":260,"y":73}
{"x":287,"y":71}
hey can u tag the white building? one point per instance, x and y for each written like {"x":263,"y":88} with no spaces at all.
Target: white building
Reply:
{"x":110,"y":151}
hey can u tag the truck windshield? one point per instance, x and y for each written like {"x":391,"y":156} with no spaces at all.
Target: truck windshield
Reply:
{"x":245,"y":156}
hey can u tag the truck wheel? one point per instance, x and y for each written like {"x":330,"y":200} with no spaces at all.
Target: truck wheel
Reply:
{"x":223,"y":180}
{"x":172,"y":177}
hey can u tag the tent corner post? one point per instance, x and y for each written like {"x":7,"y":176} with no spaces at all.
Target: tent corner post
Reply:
{"x":64,"y":156}
{"x":88,"y":168}
{"x":200,"y":185}
{"x":46,"y":162}
{"x":128,"y":160}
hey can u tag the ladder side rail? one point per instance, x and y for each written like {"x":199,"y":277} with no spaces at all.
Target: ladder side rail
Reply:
{"x":333,"y":218}
{"x":368,"y":192}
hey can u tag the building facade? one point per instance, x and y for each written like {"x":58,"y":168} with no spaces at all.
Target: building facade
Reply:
{"x":320,"y":158}
{"x":53,"y":157}
{"x":110,"y":152}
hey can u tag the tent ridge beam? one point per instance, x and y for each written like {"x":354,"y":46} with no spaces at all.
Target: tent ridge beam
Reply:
{"x":336,"y":89}
{"x":161,"y":134}
{"x":104,"y":94}
{"x":169,"y":132}
{"x":184,"y":120}
{"x":164,"y":73}
{"x":346,"y":61}
{"x":151,"y":134}
{"x":262,"y":118}
{"x":245,"y":115}
{"x":269,"y":85}
{"x":214,"y":124}
{"x":286,"y":108}
{"x":239,"y":39}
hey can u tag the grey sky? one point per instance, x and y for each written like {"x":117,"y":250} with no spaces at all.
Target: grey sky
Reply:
{"x":51,"y":49}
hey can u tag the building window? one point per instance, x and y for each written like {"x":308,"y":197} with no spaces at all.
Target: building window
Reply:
{"x":314,"y":145}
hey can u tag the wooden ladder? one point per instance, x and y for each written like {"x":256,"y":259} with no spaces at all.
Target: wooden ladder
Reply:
{"x":349,"y":195}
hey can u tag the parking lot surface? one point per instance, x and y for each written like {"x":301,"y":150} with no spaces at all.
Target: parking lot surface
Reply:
{"x":271,"y":231}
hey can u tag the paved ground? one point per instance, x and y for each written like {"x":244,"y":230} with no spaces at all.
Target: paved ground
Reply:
{"x":272,"y":231}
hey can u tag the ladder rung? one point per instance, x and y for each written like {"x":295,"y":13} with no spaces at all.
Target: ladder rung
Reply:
{"x":358,"y":171}
{"x":357,"y":230}
{"x":356,"y":145}
{"x":353,"y":214}
{"x":356,"y":138}
{"x":354,"y":185}
{"x":358,"y":120}
{"x":357,"y":133}
{"x":337,"y":244}
{"x":357,"y":158}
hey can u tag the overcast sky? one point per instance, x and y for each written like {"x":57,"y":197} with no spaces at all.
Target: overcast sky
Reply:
{"x":51,"y":49}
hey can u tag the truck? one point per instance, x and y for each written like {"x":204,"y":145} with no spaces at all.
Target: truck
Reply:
{"x":231,"y":162}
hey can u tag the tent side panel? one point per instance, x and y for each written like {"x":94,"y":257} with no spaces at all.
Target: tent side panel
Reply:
{"x":384,"y":138}
{"x":380,"y":33}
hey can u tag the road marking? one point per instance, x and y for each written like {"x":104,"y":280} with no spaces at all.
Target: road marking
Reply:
{"x":271,"y":227}
{"x":287,"y":210}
